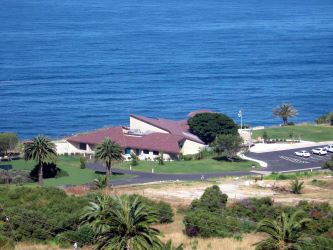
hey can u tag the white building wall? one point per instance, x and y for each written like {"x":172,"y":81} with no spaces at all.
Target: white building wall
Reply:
{"x":191,"y":147}
{"x":65,"y":147}
{"x":144,"y":127}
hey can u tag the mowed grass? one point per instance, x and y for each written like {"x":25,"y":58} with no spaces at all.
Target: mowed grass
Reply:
{"x":206,"y":165}
{"x":303,"y":132}
{"x":76,"y":175}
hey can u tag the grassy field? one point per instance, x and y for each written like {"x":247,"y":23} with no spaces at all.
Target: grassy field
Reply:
{"x":303,"y":132}
{"x":207,"y":165}
{"x":71,"y":165}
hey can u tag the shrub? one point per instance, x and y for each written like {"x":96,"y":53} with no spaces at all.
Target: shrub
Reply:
{"x":50,"y":170}
{"x":212,"y":200}
{"x":84,"y":235}
{"x":101,"y":182}
{"x":328,"y":165}
{"x":296,"y":186}
{"x":134,"y":159}
{"x":39,"y":214}
{"x":321,"y":215}
{"x":6,"y":244}
{"x":208,"y":125}
{"x":204,"y":224}
{"x":160,"y":159}
{"x":83,"y":162}
{"x":254,"y":209}
{"x":187,"y":157}
{"x":163,"y":210}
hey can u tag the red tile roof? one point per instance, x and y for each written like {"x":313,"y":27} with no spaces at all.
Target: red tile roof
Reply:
{"x":167,"y":143}
{"x":179,"y":128}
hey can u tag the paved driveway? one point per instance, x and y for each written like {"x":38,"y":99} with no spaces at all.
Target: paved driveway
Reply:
{"x":285,"y":160}
{"x":144,"y":177}
{"x":277,"y":161}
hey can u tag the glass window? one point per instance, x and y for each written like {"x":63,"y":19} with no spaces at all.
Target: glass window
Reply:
{"x":83,"y":146}
{"x":137,"y":151}
{"x":156,"y":153}
{"x":146,"y":152}
{"x":127,"y":151}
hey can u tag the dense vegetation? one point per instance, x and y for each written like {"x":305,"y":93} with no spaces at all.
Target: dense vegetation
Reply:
{"x":48,"y":214}
{"x":325,"y":119}
{"x":210,"y":217}
{"x":208,"y":125}
{"x":8,"y":142}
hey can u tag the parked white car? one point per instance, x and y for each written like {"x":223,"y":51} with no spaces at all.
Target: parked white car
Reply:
{"x":302,"y":153}
{"x":319,"y":151}
{"x":329,"y":148}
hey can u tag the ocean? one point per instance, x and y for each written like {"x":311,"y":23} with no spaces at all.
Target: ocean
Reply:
{"x":76,"y":65}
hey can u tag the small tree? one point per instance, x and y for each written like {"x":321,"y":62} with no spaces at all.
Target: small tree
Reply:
{"x":227,"y":145}
{"x":134,"y":159}
{"x":8,"y":141}
{"x":208,"y":125}
{"x":265,"y":136}
{"x":212,"y":199}
{"x":285,"y":111}
{"x":296,"y":186}
{"x":83,"y":162}
{"x":101,"y":182}
{"x":160,"y":159}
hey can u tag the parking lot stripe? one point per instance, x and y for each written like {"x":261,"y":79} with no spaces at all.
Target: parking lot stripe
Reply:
{"x":294,"y":160}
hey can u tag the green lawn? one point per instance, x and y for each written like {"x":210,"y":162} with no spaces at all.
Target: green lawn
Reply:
{"x":207,"y":165}
{"x":303,"y":132}
{"x":71,"y":165}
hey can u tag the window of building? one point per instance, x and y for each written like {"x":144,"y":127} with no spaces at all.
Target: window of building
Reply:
{"x":127,"y":151}
{"x":156,"y":153}
{"x":137,"y":151}
{"x":146,"y":152}
{"x":83,"y":146}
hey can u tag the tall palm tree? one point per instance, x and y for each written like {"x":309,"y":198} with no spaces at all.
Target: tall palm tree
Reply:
{"x":122,"y":223}
{"x":42,"y":150}
{"x":108,"y":151}
{"x":285,"y":111}
{"x":284,"y":233}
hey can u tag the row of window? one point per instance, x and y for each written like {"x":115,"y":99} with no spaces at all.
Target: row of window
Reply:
{"x":83,"y":146}
{"x":138,"y":151}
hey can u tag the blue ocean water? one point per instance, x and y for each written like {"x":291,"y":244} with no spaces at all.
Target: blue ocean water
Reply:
{"x":75,"y":65}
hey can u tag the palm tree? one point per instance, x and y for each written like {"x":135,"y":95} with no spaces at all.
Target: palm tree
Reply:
{"x":108,"y":151}
{"x":122,"y":223}
{"x":284,"y":233}
{"x":296,"y":186}
{"x":285,"y":111}
{"x":42,"y":150}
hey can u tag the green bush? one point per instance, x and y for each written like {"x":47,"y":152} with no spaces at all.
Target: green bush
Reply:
{"x":134,"y":159}
{"x":296,"y":186}
{"x":212,"y":200}
{"x":254,"y":209}
{"x":50,"y":170}
{"x":83,"y":162}
{"x":205,"y":224}
{"x":6,"y":244}
{"x":39,"y":214}
{"x":321,"y":215}
{"x":163,"y":210}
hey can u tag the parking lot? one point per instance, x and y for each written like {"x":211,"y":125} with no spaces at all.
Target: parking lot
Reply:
{"x":286,"y":160}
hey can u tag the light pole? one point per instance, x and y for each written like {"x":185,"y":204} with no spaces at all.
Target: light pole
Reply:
{"x":240,"y":115}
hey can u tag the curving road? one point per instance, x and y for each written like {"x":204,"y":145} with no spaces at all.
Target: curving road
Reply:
{"x":277,"y":161}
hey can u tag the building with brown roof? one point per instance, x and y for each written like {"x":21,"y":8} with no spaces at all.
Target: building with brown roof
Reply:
{"x":146,"y":137}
